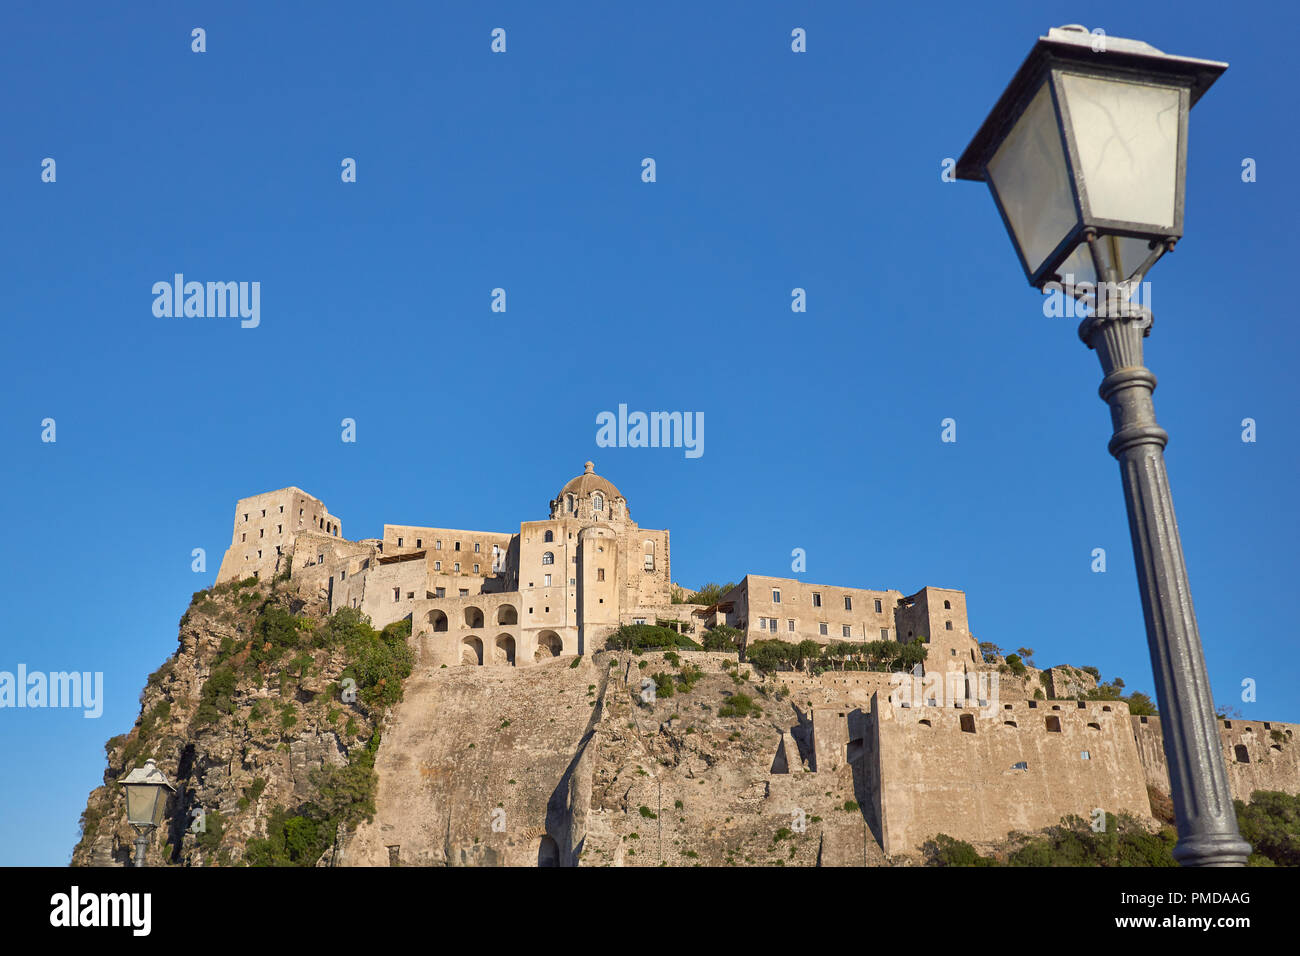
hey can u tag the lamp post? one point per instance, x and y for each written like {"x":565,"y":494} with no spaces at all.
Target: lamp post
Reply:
{"x":147,"y":791}
{"x":1085,"y":154}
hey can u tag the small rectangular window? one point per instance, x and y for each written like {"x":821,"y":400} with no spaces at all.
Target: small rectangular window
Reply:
{"x":439,"y":592}
{"x":776,"y":595}
{"x":464,"y":592}
{"x":437,"y":546}
{"x":848,"y":603}
{"x":458,"y":566}
{"x":600,"y":574}
{"x":419,"y":542}
{"x":817,"y":599}
{"x":821,"y":628}
{"x":547,"y":582}
{"x":846,"y":631}
{"x":399,"y":542}
{"x":476,"y":547}
{"x":790,"y":625}
{"x":457,"y":548}
{"x":437,"y":565}
{"x":879,"y":608}
{"x":476,"y":569}
{"x":397,"y":594}
{"x":884,"y":633}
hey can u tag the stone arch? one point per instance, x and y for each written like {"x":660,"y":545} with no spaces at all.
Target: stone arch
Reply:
{"x":471,"y":651}
{"x":473,"y":617}
{"x":504,"y":650}
{"x":437,"y":620}
{"x":549,"y":644}
{"x":548,"y":852}
{"x":506,"y":614}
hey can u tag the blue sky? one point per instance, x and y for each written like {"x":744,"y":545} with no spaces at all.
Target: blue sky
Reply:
{"x":522,"y":171}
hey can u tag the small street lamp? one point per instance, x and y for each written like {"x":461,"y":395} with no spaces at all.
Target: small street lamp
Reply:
{"x":147,"y":791}
{"x":1086,"y":156}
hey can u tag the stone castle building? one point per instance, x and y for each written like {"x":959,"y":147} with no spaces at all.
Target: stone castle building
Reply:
{"x":946,"y":758}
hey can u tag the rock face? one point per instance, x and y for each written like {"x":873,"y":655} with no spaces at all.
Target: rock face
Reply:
{"x":254,"y":746}
{"x":562,"y":765}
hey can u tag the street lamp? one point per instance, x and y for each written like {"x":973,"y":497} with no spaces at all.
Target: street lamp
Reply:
{"x":147,"y":791}
{"x":1085,"y":154}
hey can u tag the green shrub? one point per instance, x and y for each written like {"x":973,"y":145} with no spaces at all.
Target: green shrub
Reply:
{"x":739,"y":705}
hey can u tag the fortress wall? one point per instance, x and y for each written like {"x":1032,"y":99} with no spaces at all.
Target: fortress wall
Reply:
{"x":1269,"y":758}
{"x":639,"y":586}
{"x":942,"y":778}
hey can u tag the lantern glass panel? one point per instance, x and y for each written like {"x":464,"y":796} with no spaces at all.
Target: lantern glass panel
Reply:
{"x":1032,"y":181}
{"x":1121,"y":252}
{"x":1127,"y":140}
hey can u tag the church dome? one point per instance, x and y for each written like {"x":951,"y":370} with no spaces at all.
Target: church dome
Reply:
{"x":590,"y":497}
{"x":587,"y":482}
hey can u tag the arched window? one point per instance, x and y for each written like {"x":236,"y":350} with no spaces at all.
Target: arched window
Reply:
{"x":548,"y":558}
{"x":649,"y":555}
{"x":569,"y":505}
{"x":598,"y":502}
{"x":550,"y":536}
{"x":947,"y":605}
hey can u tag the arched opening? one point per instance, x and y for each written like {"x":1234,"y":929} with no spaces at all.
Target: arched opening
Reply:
{"x":947,"y":605}
{"x":506,"y":614}
{"x":548,"y":558}
{"x":1243,"y":756}
{"x":549,"y":645}
{"x":504,"y":652}
{"x":473,"y":617}
{"x":550,"y":536}
{"x":548,"y":852}
{"x":471,"y":651}
{"x":598,"y":502}
{"x":437,"y":620}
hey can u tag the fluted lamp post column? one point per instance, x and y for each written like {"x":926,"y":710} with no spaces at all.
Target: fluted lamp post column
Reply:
{"x":147,"y":791}
{"x":1085,"y":154}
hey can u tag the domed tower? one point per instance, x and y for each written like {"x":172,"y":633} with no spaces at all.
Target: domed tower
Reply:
{"x":589,"y":497}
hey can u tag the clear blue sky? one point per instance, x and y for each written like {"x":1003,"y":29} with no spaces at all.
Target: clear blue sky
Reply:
{"x":522,"y":171}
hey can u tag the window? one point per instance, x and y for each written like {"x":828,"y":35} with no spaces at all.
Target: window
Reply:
{"x":572,"y":582}
{"x":776,"y":595}
{"x":457,"y":548}
{"x":762,"y":624}
{"x":638,"y":620}
{"x":547,"y":582}
{"x":263,"y":512}
{"x":879,"y":608}
{"x":437,"y":565}
{"x":548,"y":558}
{"x":1084,"y":755}
{"x":419,"y":542}
{"x":457,"y":567}
{"x":279,"y":529}
{"x":261,"y":532}
{"x":397,"y":594}
{"x":649,"y":562}
{"x":790,"y":625}
{"x":464,"y":592}
{"x":399,"y":542}
{"x":476,"y":569}
{"x":343,"y":575}
{"x":817,"y":599}
{"x":968,"y":723}
{"x":245,"y":517}
{"x":600,"y":574}
{"x":476,"y":547}
{"x":821,"y":628}
{"x":244,"y":536}
{"x":572,"y":508}
{"x":846,"y":630}
{"x":440,"y":592}
{"x":947,"y":625}
{"x":437,"y":546}
{"x":1054,"y":725}
{"x":281,"y":509}
{"x":884,"y":633}
{"x":598,"y":502}
{"x":848,"y":603}
{"x":320,"y":559}
{"x":550,"y":536}
{"x":947,"y":605}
